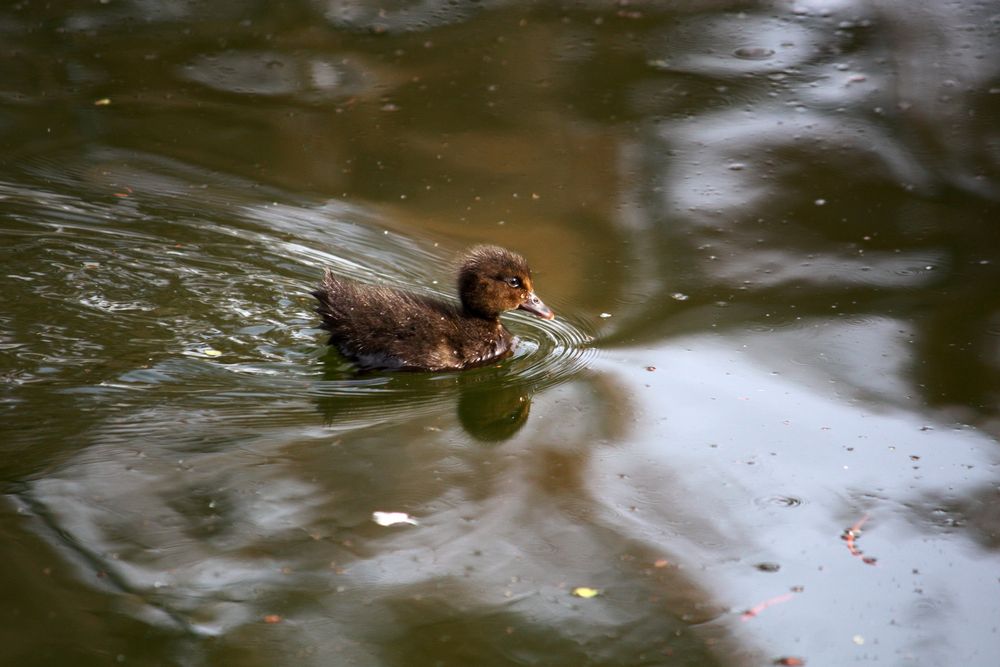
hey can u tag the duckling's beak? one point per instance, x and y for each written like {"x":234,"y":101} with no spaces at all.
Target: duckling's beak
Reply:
{"x":534,"y":305}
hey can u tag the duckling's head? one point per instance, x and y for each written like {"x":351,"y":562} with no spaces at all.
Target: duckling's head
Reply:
{"x":492,"y":279}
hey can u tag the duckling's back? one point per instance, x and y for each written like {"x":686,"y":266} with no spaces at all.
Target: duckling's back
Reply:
{"x":382,"y":328}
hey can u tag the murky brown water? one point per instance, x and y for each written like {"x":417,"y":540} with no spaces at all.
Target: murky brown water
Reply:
{"x":770,"y":231}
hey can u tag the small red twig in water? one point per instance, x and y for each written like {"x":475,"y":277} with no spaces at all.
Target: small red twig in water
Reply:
{"x":757,"y":608}
{"x":850,"y":535}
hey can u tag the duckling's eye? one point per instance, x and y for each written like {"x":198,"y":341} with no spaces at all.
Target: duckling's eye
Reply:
{"x":514,"y":282}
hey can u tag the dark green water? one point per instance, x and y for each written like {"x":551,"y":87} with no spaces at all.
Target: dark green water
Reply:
{"x":771,"y":233}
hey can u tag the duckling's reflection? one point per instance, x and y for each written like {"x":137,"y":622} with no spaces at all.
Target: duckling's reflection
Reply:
{"x":492,"y":403}
{"x":493,"y":415}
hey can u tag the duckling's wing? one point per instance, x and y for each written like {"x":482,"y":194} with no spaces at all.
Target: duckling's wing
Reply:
{"x":380,"y":327}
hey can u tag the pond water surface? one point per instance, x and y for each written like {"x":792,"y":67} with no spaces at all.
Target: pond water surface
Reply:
{"x":763,"y":427}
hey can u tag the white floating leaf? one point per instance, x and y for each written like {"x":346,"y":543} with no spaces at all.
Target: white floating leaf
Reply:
{"x":392,"y":518}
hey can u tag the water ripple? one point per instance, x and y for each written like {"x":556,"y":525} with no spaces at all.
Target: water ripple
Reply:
{"x":550,"y":350}
{"x":182,"y":306}
{"x":548,"y":353}
{"x":778,"y":501}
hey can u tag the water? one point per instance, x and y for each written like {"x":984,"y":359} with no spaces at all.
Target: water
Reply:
{"x":769,"y":235}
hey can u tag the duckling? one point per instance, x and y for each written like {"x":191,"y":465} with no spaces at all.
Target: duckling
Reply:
{"x":383,"y":328}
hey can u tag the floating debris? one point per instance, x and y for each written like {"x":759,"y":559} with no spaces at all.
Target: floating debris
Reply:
{"x":757,"y":608}
{"x":753,"y":53}
{"x":585,"y":592}
{"x":850,"y":535}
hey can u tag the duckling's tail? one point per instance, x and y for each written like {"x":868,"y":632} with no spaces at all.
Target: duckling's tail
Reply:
{"x":330,"y":286}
